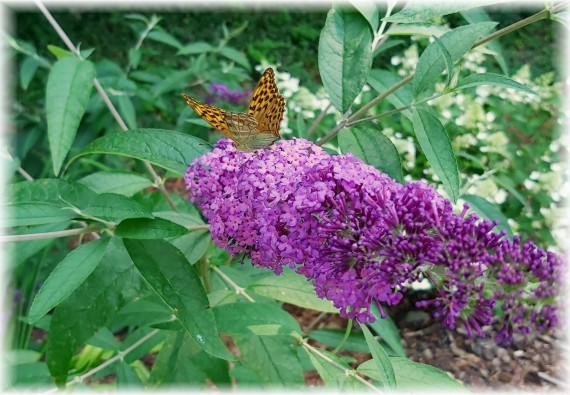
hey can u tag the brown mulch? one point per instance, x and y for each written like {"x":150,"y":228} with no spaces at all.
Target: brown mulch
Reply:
{"x":534,"y":363}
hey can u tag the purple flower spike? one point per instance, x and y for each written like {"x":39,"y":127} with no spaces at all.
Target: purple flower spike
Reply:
{"x":362,"y":238}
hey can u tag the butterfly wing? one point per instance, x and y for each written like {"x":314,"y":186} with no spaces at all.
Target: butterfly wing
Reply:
{"x":267,"y":105}
{"x":246,"y":136}
{"x":215,"y":116}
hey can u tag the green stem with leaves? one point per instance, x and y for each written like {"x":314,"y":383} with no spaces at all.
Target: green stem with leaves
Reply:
{"x":352,"y":120}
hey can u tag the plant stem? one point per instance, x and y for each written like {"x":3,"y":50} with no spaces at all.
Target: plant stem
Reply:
{"x":544,"y":14}
{"x":61,"y":33}
{"x":239,"y":290}
{"x":45,"y":235}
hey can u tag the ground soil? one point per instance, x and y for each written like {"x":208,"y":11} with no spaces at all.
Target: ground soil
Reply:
{"x":533,"y":363}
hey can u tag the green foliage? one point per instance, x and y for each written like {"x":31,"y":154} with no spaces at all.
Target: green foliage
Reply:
{"x":153,"y":286}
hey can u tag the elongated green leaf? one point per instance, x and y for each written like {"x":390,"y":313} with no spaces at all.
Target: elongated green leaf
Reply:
{"x":43,"y":201}
{"x":165,"y":38}
{"x":67,"y":92}
{"x":173,"y":82}
{"x":345,"y":56}
{"x":333,"y":337}
{"x":88,"y":308}
{"x":370,"y":145}
{"x":380,"y":80}
{"x":27,"y":71}
{"x":417,"y":29}
{"x":115,"y":208}
{"x":235,"y":56}
{"x":273,"y":358}
{"x":380,"y":358}
{"x":292,"y":288}
{"x":177,"y":283}
{"x":446,"y":59}
{"x":436,"y":146}
{"x":413,"y":376}
{"x":237,"y":317}
{"x":127,"y":111}
{"x":195,"y":48}
{"x":147,"y":228}
{"x":386,"y":328}
{"x":193,"y":244}
{"x":475,"y":15}
{"x":369,"y":10}
{"x":172,"y":150}
{"x":490,"y":211}
{"x":122,"y":183}
{"x":420,"y":11}
{"x":67,"y":277}
{"x":491,"y":79}
{"x":457,"y":41}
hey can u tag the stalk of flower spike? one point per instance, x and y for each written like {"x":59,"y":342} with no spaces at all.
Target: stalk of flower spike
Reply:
{"x":361,"y":237}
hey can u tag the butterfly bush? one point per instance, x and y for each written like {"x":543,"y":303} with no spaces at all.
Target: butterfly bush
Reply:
{"x":362,"y":238}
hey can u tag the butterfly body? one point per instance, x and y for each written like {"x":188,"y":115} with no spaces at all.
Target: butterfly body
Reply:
{"x":259,"y":127}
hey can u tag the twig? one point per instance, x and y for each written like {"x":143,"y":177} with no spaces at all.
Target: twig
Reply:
{"x":198,"y":227}
{"x":45,"y":235}
{"x":318,"y":119}
{"x":348,"y":372}
{"x":239,"y":290}
{"x":61,"y":33}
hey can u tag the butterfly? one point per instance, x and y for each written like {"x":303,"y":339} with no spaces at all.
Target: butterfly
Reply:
{"x":259,"y":127}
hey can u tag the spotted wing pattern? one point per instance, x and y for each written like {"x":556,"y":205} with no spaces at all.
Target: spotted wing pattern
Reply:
{"x":267,"y":105}
{"x":259,"y":128}
{"x":213,"y":115}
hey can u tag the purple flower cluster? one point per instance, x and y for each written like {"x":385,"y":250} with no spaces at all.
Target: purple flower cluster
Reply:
{"x":361,"y":237}
{"x":222,"y":92}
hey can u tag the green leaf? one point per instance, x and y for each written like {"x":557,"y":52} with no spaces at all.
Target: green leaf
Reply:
{"x":67,"y":276}
{"x":59,"y":52}
{"x":446,"y":59}
{"x":88,"y":309}
{"x":419,"y":12}
{"x":235,"y":318}
{"x":126,"y":377}
{"x":380,"y":80}
{"x":333,"y":337}
{"x":374,"y":148}
{"x":67,"y":92}
{"x":491,"y":79}
{"x":27,"y":71}
{"x":42,"y":201}
{"x":413,"y":376}
{"x":381,"y":361}
{"x":173,"y":82}
{"x":193,"y":245}
{"x":386,"y":328}
{"x":417,"y":29}
{"x":171,"y":150}
{"x":127,"y":110}
{"x":178,"y":284}
{"x":146,"y":228}
{"x":369,"y":10}
{"x":436,"y":146}
{"x":20,"y":251}
{"x":273,"y":358}
{"x":235,"y":56}
{"x":165,"y":38}
{"x":490,"y":211}
{"x":115,"y":208}
{"x":457,"y":41}
{"x":292,"y":288}
{"x":195,"y":48}
{"x":475,"y":15}
{"x":122,"y":183}
{"x":345,"y":56}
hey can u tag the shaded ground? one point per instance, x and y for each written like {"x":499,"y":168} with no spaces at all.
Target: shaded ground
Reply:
{"x":534,"y":363}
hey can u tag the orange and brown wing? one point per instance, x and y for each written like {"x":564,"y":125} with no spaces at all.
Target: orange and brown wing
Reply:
{"x":267,"y":105}
{"x":213,"y":115}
